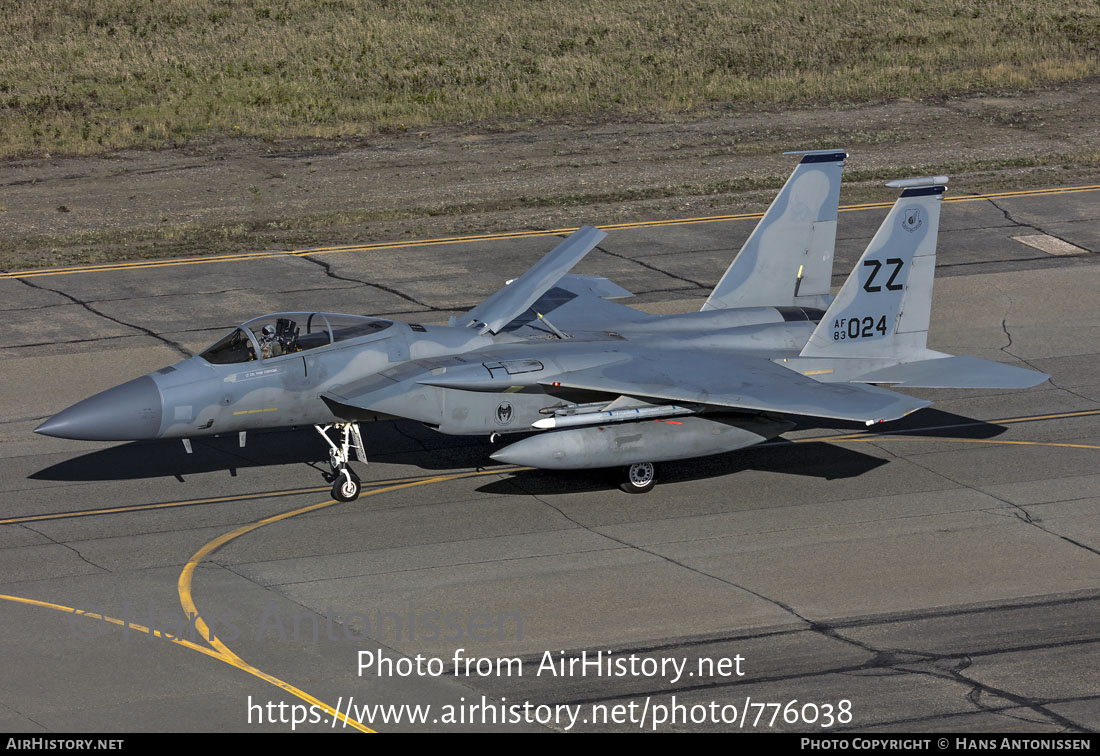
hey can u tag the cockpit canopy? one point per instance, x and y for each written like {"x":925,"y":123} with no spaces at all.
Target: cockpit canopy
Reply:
{"x":286,"y":333}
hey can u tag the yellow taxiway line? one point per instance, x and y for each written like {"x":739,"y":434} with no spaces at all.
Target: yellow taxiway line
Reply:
{"x":211,"y":500}
{"x":219,"y":650}
{"x":418,"y":479}
{"x":230,"y":659}
{"x":187,"y":602}
{"x":995,"y":441}
{"x":251,"y":256}
{"x":162,"y":505}
{"x":112,"y":620}
{"x":914,"y":432}
{"x":223,"y":653}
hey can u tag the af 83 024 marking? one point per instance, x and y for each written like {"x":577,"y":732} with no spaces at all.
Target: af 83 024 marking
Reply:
{"x":858,"y":327}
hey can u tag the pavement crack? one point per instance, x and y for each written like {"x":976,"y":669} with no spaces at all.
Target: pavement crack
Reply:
{"x":1032,"y":226}
{"x":450,"y":565}
{"x":380,"y":287}
{"x":654,"y":268}
{"x":24,"y":715}
{"x":76,"y":300}
{"x":32,"y":419}
{"x":1068,"y":390}
{"x":70,"y":341}
{"x":1007,"y":347}
{"x":980,"y":693}
{"x":595,"y":531}
{"x":1008,"y":217}
{"x":242,"y":576}
{"x":1067,"y":539}
{"x":65,"y":545}
{"x":1020,"y":512}
{"x":947,"y":667}
{"x":952,"y":667}
{"x":820,"y":628}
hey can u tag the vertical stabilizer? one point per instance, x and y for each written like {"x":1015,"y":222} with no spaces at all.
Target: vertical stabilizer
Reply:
{"x":788,"y":258}
{"x":882,"y":311}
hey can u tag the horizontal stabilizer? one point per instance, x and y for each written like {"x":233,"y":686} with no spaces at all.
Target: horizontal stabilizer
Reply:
{"x":502,"y":307}
{"x":955,"y":372}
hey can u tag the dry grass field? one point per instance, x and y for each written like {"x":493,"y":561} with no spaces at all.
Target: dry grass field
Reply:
{"x":98,"y":75}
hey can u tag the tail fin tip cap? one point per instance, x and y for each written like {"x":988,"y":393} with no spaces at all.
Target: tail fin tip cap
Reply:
{"x":821,"y":156}
{"x":815,"y":152}
{"x":915,"y":182}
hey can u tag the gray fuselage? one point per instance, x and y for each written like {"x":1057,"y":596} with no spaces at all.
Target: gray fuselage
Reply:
{"x":483,"y":383}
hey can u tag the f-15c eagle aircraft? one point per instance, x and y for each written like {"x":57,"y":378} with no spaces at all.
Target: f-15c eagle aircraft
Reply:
{"x":598,"y":384}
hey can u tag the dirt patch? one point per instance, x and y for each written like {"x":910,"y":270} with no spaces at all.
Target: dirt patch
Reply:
{"x":242,"y":194}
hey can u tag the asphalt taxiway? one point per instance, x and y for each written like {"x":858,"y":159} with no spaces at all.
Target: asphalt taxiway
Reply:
{"x":942,"y":574}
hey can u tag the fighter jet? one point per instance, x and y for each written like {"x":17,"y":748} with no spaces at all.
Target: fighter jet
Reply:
{"x":593,"y":383}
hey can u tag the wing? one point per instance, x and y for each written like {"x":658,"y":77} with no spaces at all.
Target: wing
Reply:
{"x":507,"y":304}
{"x":737,"y":382}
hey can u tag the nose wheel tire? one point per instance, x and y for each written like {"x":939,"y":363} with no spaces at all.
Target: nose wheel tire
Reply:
{"x":347,"y":486}
{"x":639,"y":477}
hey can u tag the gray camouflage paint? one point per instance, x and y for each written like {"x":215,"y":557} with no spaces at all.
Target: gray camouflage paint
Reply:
{"x":738,"y":368}
{"x":796,"y":235}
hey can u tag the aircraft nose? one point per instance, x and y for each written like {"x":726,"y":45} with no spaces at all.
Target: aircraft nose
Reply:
{"x":128,"y":412}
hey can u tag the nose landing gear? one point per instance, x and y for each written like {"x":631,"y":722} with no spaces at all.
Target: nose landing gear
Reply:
{"x":346,"y":485}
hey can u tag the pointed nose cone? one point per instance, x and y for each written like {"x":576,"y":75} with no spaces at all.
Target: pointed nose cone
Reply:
{"x":129,"y":412}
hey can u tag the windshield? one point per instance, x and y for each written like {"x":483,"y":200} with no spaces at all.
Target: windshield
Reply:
{"x":289,"y":332}
{"x":235,"y":346}
{"x":286,"y":333}
{"x":346,"y":327}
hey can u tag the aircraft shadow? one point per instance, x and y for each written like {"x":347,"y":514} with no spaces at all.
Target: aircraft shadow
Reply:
{"x":407,"y":443}
{"x":820,"y":459}
{"x":926,"y":422}
{"x":411,"y":443}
